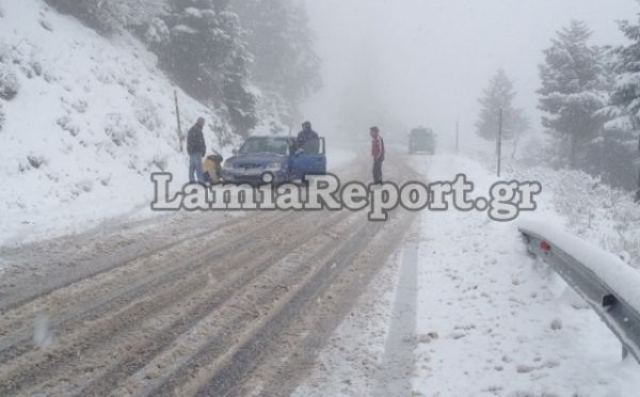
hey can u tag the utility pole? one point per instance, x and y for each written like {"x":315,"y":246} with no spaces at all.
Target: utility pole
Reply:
{"x":457,"y":136}
{"x":179,"y":130}
{"x":499,"y":142}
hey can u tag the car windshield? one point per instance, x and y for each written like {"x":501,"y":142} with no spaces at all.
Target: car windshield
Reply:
{"x":265,"y":145}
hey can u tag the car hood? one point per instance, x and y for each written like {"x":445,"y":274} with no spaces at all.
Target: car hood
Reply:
{"x":255,"y":160}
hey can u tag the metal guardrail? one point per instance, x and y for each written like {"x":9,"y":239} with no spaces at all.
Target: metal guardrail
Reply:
{"x":615,"y":306}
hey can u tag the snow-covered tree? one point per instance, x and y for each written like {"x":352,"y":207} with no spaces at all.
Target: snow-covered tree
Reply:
{"x":302,"y":60}
{"x":626,"y":95}
{"x":574,"y":90}
{"x":206,"y":52}
{"x":500,"y":95}
{"x":625,"y":99}
{"x":239,"y":97}
{"x":279,"y":37}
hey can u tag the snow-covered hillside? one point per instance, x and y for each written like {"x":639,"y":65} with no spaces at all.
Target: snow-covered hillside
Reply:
{"x":91,"y":119}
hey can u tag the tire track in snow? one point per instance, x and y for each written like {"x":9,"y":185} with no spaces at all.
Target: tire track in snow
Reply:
{"x":136,"y":299}
{"x":24,"y":293}
{"x":104,"y":292}
{"x":279,"y":358}
{"x":131,"y":335}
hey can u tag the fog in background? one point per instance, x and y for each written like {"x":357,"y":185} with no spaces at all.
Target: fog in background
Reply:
{"x":404,"y":63}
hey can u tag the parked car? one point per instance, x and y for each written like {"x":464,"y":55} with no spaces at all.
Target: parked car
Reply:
{"x":422,"y":140}
{"x":278,"y":156}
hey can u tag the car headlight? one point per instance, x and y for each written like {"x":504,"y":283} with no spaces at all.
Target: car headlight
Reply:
{"x":274,"y":166}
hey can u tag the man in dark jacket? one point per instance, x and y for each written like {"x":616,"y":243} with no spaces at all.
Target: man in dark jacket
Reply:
{"x":196,"y":149}
{"x":377,"y":152}
{"x":308,"y":135}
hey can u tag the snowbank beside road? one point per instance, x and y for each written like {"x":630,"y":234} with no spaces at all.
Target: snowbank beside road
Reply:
{"x":91,"y":119}
{"x":617,"y":275}
{"x":590,"y":208}
{"x":491,"y":322}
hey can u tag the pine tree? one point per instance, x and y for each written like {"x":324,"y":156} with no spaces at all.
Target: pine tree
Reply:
{"x":279,"y":37}
{"x":626,"y":95}
{"x":574,"y":89}
{"x":239,"y":99}
{"x":304,"y":64}
{"x":625,"y":99}
{"x":500,"y":95}
{"x":207,"y":54}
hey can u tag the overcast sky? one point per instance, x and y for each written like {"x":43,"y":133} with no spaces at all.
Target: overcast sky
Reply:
{"x":427,"y":61}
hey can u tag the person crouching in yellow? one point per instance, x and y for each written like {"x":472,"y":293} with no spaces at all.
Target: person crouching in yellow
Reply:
{"x":211,"y":166}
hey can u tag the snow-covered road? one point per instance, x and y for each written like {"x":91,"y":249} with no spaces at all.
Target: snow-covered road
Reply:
{"x":429,"y":304}
{"x":190,"y":304}
{"x":489,"y":319}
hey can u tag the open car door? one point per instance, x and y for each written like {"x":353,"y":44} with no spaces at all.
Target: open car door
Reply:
{"x":309,"y":160}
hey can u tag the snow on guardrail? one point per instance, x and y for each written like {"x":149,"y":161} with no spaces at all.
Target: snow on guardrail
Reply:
{"x":609,"y":285}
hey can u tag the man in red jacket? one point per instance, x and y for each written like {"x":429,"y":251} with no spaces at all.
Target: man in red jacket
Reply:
{"x":377,"y":152}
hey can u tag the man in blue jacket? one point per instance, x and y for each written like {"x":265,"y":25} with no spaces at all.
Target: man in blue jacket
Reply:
{"x":196,"y":148}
